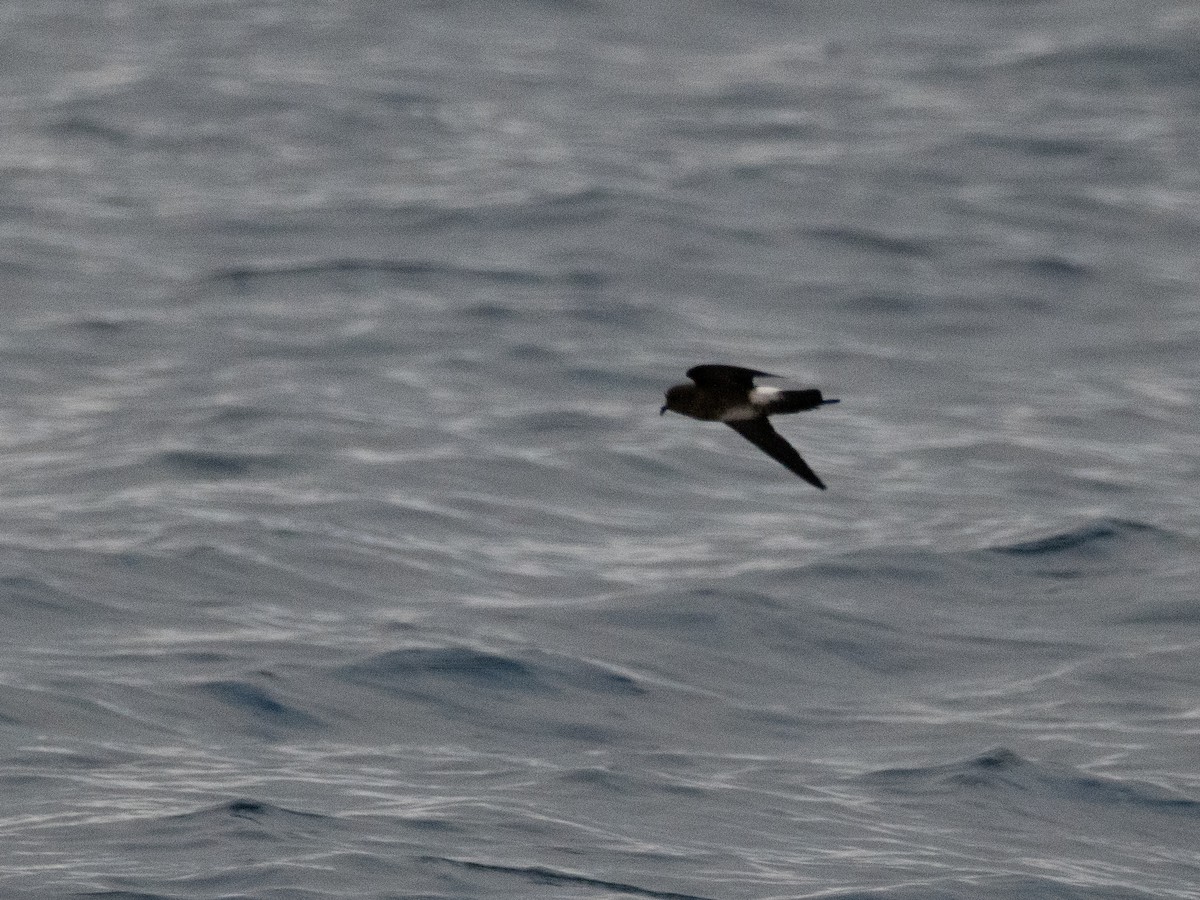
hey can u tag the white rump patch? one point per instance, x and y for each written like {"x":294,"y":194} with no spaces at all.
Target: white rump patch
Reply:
{"x":761,"y":396}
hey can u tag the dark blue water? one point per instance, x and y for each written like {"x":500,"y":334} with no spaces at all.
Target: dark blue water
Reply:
{"x":343,"y":551}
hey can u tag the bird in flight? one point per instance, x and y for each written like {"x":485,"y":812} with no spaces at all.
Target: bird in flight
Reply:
{"x":728,"y":394}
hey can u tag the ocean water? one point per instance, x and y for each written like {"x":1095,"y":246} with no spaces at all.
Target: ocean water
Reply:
{"x":343,"y":551}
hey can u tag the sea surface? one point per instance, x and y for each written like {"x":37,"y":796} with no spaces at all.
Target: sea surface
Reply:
{"x":344,"y":552}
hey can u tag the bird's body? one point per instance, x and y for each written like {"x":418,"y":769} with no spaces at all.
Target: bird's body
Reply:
{"x":720,"y":393}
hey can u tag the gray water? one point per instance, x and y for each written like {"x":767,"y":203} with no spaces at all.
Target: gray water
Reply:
{"x":343,"y":551}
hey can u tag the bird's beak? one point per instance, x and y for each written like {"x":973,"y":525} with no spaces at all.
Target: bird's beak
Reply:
{"x":663,"y":410}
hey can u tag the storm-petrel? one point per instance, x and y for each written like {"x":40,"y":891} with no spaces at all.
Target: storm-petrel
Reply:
{"x":728,"y":394}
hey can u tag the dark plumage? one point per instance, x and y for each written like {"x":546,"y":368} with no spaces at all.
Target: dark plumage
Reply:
{"x":727,"y":394}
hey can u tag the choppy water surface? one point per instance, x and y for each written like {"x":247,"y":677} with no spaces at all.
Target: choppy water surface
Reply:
{"x":343,"y":551}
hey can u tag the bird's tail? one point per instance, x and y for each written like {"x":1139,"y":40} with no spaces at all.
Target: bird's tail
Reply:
{"x":797,"y":401}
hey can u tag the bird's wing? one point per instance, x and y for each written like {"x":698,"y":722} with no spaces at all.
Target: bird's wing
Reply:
{"x":714,"y":375}
{"x":760,"y":433}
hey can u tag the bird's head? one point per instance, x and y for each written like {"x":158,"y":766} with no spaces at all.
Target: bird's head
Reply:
{"x":674,"y":396}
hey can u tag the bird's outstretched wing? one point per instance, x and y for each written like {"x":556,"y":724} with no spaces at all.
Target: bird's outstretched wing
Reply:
{"x":715,"y":375}
{"x":760,"y":433}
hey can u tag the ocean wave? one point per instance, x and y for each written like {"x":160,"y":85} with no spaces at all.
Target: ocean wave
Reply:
{"x":1006,"y":771}
{"x":544,"y":875}
{"x":1096,"y":540}
{"x":1172,"y":60}
{"x":245,"y":809}
{"x":409,"y":270}
{"x":256,"y":703}
{"x":989,"y":886}
{"x":874,"y":240}
{"x":218,"y":464}
{"x":442,"y":668}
